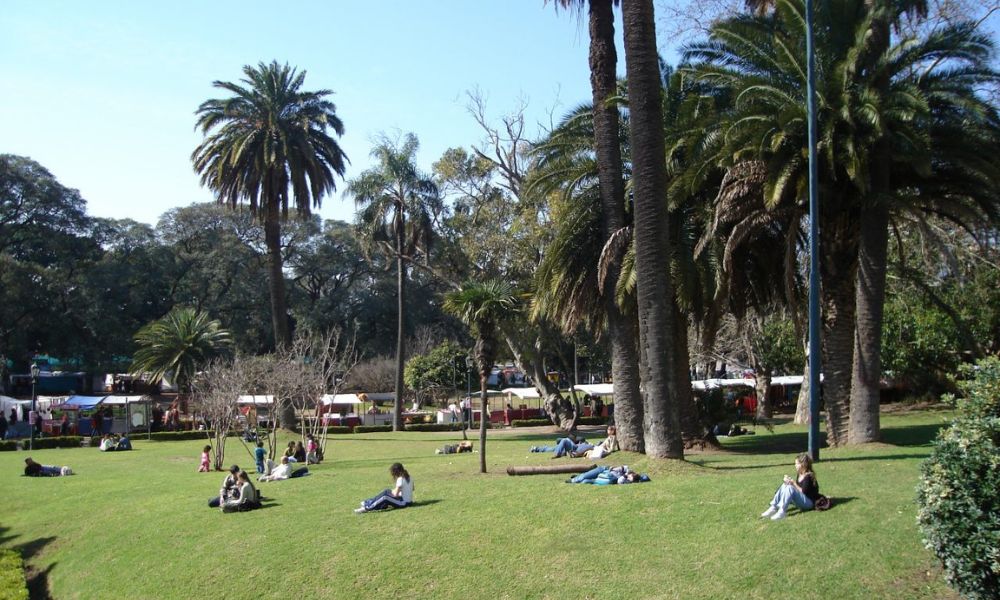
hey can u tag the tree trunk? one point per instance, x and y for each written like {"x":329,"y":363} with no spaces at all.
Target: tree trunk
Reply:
{"x":397,"y":421}
{"x":562,"y":412}
{"x":840,"y":260}
{"x":802,"y":403}
{"x":762,"y":383}
{"x":870,"y":300}
{"x":691,"y":427}
{"x":661,"y":419}
{"x":483,"y":419}
{"x":621,"y":329}
{"x":276,"y":289}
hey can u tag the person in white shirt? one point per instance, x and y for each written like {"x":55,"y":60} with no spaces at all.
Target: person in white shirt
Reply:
{"x":282,"y":471}
{"x":400,"y":496}
{"x":245,"y":499}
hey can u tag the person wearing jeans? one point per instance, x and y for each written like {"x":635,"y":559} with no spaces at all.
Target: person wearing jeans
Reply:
{"x":564,"y":446}
{"x":801,"y":491}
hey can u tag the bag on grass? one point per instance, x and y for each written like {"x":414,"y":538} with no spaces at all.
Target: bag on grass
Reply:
{"x":822,"y":503}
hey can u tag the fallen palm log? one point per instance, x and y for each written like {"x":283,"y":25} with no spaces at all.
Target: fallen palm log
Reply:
{"x":548,"y":469}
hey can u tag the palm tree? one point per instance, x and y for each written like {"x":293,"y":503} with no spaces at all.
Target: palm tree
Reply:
{"x":178,"y":344}
{"x":397,"y":203}
{"x":652,"y":245}
{"x":268,"y":145}
{"x":759,"y":61}
{"x":606,"y":146}
{"x":483,"y":307}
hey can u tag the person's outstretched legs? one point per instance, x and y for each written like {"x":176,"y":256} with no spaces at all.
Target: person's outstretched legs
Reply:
{"x":589,"y":476}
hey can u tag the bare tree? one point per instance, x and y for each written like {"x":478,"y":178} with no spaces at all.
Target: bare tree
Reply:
{"x":374,"y":375}
{"x":216,"y":392}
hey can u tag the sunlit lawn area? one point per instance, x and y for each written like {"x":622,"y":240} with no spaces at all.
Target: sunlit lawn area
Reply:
{"x":136,"y":524}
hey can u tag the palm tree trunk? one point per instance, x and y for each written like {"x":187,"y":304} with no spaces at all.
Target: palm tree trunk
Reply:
{"x":661,"y":418}
{"x":870,"y":299}
{"x":483,"y":419}
{"x":762,"y":384}
{"x":802,"y":402}
{"x":276,"y":289}
{"x":397,"y":421}
{"x":691,"y":427}
{"x":840,"y":262}
{"x":621,"y":330}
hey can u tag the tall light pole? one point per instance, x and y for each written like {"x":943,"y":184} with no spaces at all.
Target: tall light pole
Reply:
{"x":34,"y":400}
{"x":815,"y":365}
{"x":468,"y":379}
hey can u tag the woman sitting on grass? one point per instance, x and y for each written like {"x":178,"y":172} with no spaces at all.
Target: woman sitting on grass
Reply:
{"x":246,"y":496}
{"x":802,"y":490}
{"x":399,"y":497}
{"x":609,"y":445}
{"x":228,"y":489}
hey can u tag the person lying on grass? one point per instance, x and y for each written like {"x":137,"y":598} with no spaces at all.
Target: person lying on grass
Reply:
{"x":34,"y":469}
{"x":246,"y":497}
{"x":801,"y":490}
{"x":564,"y":446}
{"x":609,"y":445}
{"x":228,"y":488}
{"x":400,"y":496}
{"x":609,"y":476}
{"x":282,"y":471}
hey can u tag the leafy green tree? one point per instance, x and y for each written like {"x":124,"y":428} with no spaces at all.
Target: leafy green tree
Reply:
{"x":268,"y":145}
{"x":177,"y":345}
{"x":439,"y":372}
{"x":397,"y":206}
{"x":483,"y":306}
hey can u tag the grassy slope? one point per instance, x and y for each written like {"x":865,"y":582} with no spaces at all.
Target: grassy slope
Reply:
{"x":135,"y":525}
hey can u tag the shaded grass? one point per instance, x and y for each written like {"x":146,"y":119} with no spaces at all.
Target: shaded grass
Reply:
{"x":135,"y":524}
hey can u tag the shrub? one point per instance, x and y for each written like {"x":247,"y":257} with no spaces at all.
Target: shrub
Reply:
{"x":338,"y":429}
{"x":372,"y":428}
{"x":434,"y":427}
{"x":8,"y":445}
{"x":12,"y":584}
{"x":591,"y":421}
{"x":959,"y":492}
{"x":176,"y":436}
{"x":530,"y":422}
{"x":69,"y":441}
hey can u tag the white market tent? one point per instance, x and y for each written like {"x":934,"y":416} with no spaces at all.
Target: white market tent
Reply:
{"x":328,"y":399}
{"x":377,"y":396}
{"x":524,"y":393}
{"x":708,"y":384}
{"x":260,"y":400}
{"x":596,"y":389}
{"x":123,"y":400}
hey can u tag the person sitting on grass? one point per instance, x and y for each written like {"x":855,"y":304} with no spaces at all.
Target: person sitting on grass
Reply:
{"x":107,"y":443}
{"x":609,"y":476}
{"x":400,"y":496}
{"x":564,"y":446}
{"x":282,"y":471}
{"x":123,"y":443}
{"x":228,"y":487}
{"x":300,"y":453}
{"x":801,"y":490}
{"x":34,"y":469}
{"x":609,"y":445}
{"x":246,"y":497}
{"x":290,"y":452}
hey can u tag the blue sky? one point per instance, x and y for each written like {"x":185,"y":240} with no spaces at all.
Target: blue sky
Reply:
{"x":103,"y":94}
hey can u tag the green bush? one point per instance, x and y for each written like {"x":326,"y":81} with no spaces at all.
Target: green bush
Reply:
{"x":12,"y":584}
{"x":8,"y":445}
{"x":530,"y":422}
{"x":69,"y":441}
{"x":175,"y":436}
{"x":372,"y":428}
{"x":338,"y":429}
{"x":959,"y":491}
{"x":434,"y":427}
{"x":592,"y":421}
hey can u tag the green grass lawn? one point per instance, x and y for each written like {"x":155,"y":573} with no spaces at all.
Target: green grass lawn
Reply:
{"x":136,"y":524}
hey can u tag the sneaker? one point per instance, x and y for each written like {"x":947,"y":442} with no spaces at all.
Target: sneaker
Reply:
{"x":767,"y":513}
{"x":360,"y":510}
{"x":779,"y":515}
{"x":534,"y":449}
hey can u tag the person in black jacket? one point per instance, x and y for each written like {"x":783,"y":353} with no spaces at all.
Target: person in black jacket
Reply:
{"x":801,"y":490}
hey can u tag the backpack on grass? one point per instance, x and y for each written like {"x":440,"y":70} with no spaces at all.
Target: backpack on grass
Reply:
{"x":822,"y":503}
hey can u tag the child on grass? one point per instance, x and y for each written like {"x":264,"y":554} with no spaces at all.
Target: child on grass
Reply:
{"x":400,"y":496}
{"x":205,"y":460}
{"x":258,"y":457}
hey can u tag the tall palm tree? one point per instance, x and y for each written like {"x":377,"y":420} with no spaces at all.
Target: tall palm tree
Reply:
{"x":268,"y":145}
{"x":652,"y":245}
{"x":397,"y":203}
{"x":178,"y":344}
{"x":607,"y":149}
{"x":759,"y":60}
{"x":483,"y":306}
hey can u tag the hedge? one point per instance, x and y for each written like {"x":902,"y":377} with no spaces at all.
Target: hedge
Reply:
{"x":338,"y":429}
{"x":592,"y":421}
{"x":530,"y":422}
{"x":434,"y":427}
{"x":69,"y":441}
{"x":958,"y":496}
{"x":372,"y":428}
{"x":12,"y":584}
{"x":174,"y":436}
{"x":8,"y":445}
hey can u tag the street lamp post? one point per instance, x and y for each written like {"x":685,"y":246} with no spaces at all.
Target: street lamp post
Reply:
{"x":34,"y":400}
{"x":814,"y":315}
{"x":468,"y":379}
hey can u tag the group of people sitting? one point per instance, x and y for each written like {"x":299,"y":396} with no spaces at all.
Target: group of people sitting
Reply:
{"x":237,"y":493}
{"x":577,"y":447}
{"x":111,"y":442}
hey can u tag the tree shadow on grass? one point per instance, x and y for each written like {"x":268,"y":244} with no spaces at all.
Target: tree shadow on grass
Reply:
{"x":38,"y":582}
{"x":798,"y":441}
{"x":913,"y":435}
{"x":836,"y":501}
